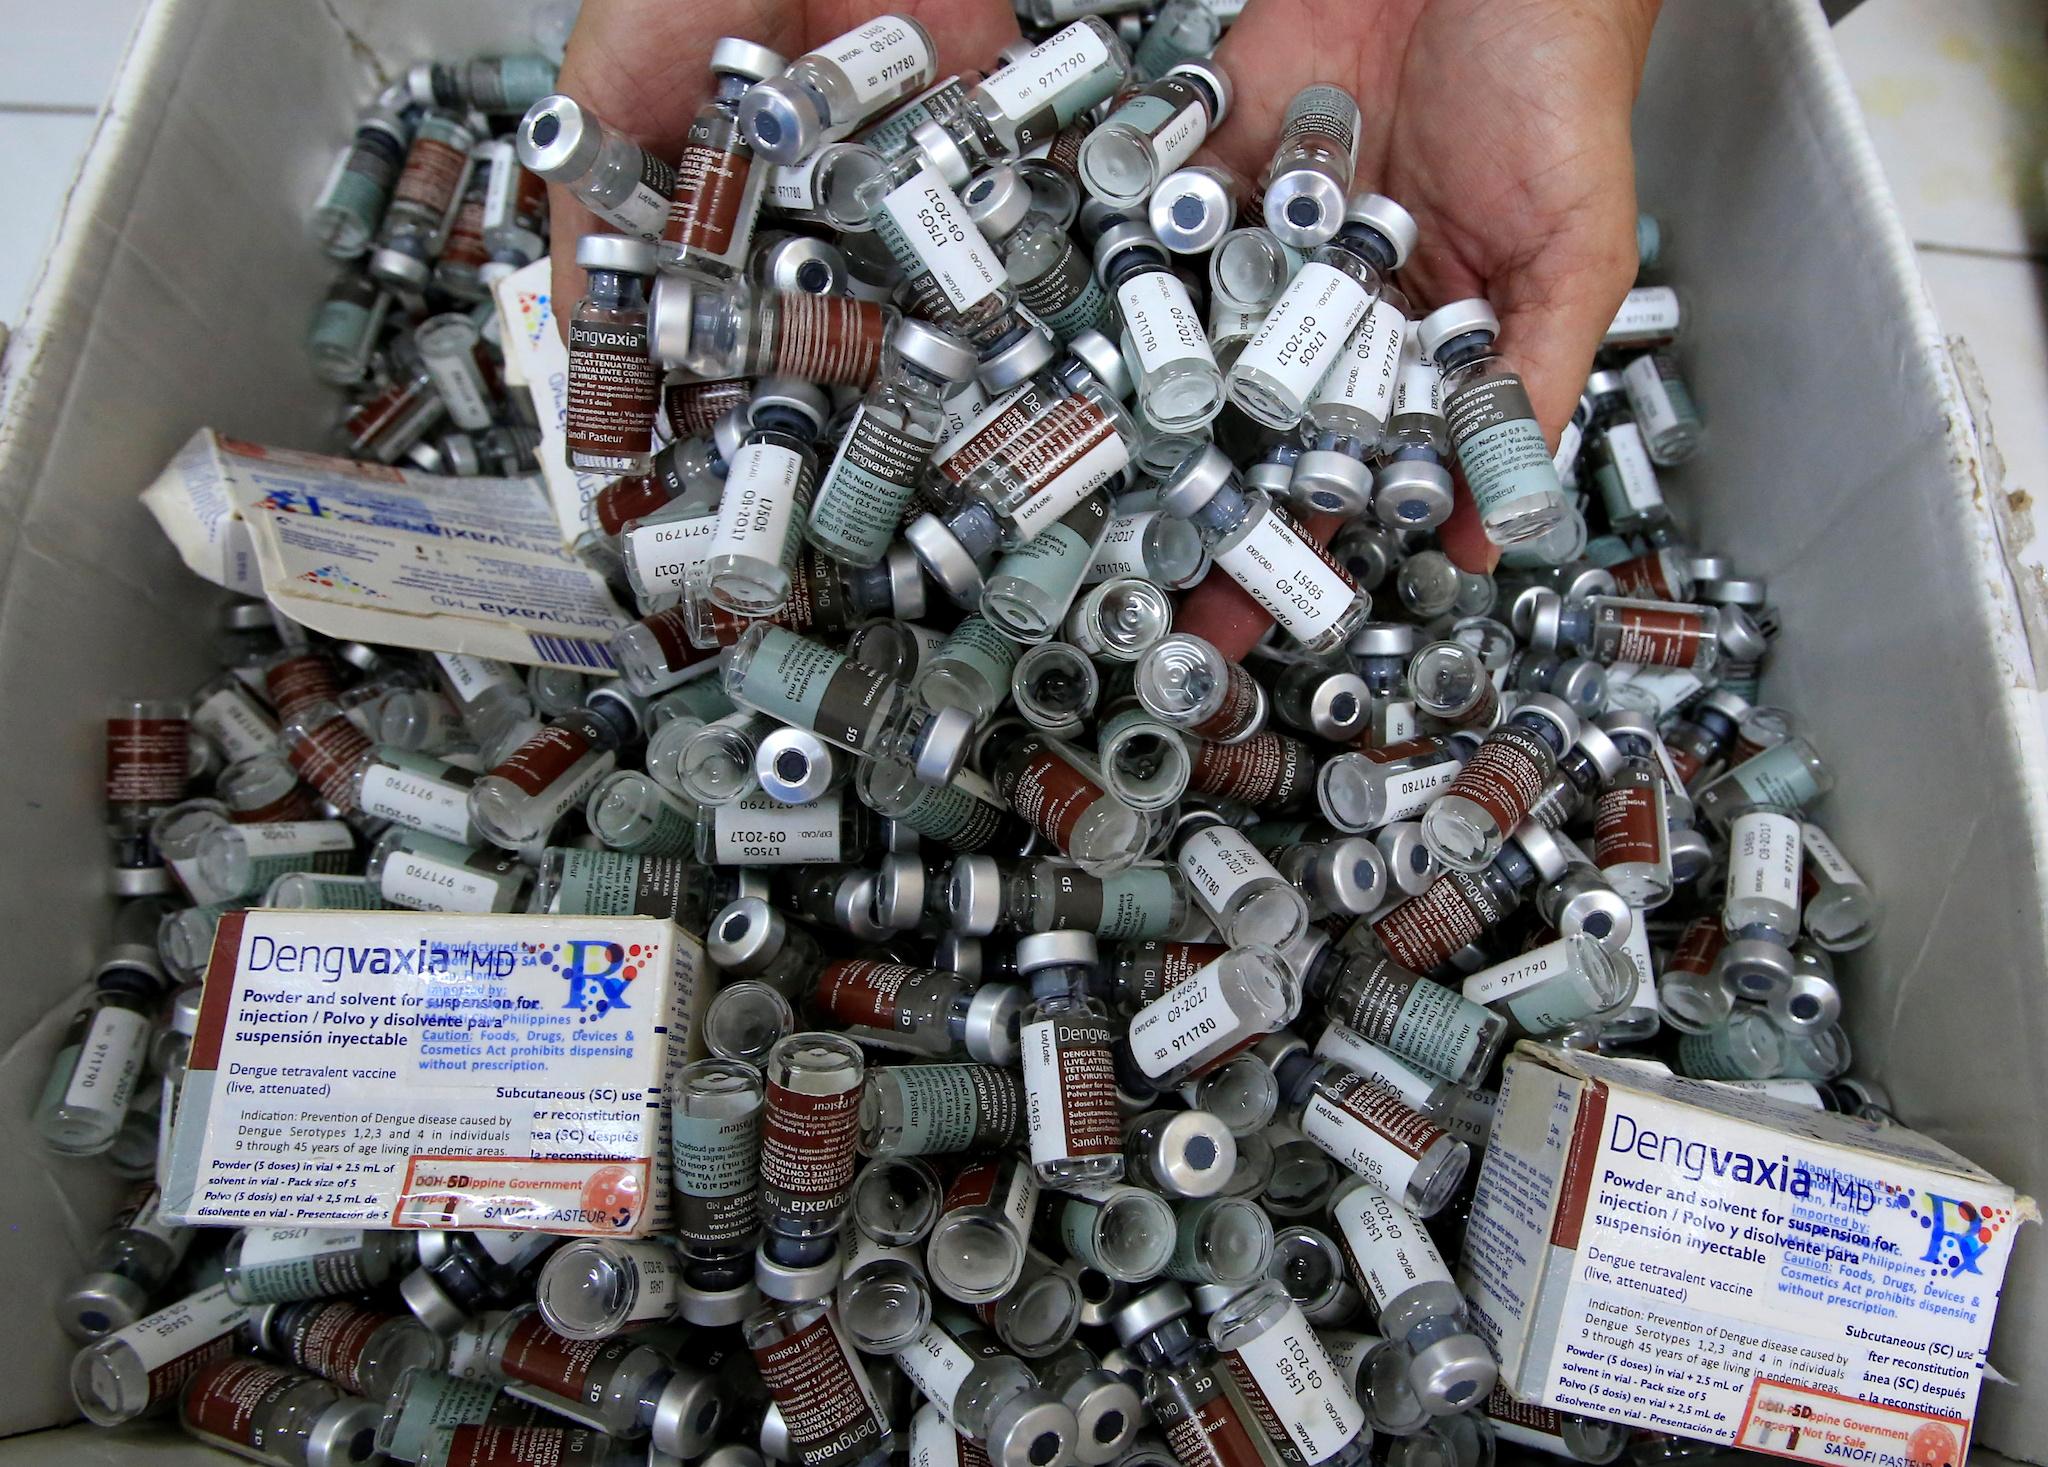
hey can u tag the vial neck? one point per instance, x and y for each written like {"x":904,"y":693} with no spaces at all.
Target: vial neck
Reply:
{"x":1363,"y":242}
{"x":615,"y":290}
{"x":1228,"y":508}
{"x":774,"y":421}
{"x":1463,"y":351}
{"x":1131,"y":263}
{"x":975,"y":526}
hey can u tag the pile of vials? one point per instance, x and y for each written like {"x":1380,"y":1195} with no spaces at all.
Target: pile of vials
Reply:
{"x":1124,"y":842}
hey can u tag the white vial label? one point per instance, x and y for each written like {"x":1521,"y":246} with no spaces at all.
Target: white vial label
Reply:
{"x":757,"y":513}
{"x":1348,"y":1047}
{"x":1634,"y":475}
{"x":1220,"y":862}
{"x":427,"y":885}
{"x":514,"y":1247}
{"x":1030,"y":83}
{"x":937,"y":1365}
{"x":414,"y":800}
{"x":666,"y":554}
{"x":1306,"y":329}
{"x":1361,"y":1146}
{"x":1121,"y":552}
{"x":472,"y":677}
{"x":1648,"y":310}
{"x":184,"y":1329}
{"x":1388,"y":1249}
{"x":296,"y":1245}
{"x":883,"y":59}
{"x":1649,"y":398}
{"x":231,"y":720}
{"x":945,"y":241}
{"x":1418,"y":386}
{"x":108,"y":1062}
{"x":793,"y":187}
{"x":657,"y":1280}
{"x":1160,"y":322}
{"x":1636,"y":948}
{"x":1827,"y":857}
{"x":1176,"y":142}
{"x":1763,"y":862}
{"x":1520,"y":974}
{"x":1284,"y":574}
{"x":1411,"y":791}
{"x":1194,"y":1018}
{"x":1363,"y":377}
{"x":758,"y":831}
{"x":963,"y":408}
{"x":933,"y":1442}
{"x":1302,"y":1385}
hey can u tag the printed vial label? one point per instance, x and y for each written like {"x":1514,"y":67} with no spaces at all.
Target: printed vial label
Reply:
{"x":1648,"y":313}
{"x":109,"y":1060}
{"x":1046,"y":791}
{"x":1506,"y":775}
{"x":1389,"y":1252}
{"x":614,"y":390}
{"x":1628,"y":820}
{"x":231,"y":719}
{"x":1500,"y":448}
{"x":952,"y":1108}
{"x":1267,"y":770}
{"x":644,"y":212}
{"x":1188,"y":1025}
{"x":552,"y":754}
{"x":763,"y":504}
{"x":872,"y":477}
{"x":1066,"y":297}
{"x":1322,"y":112}
{"x":1422,"y":1021}
{"x":758,"y":831}
{"x":1201,"y":1426}
{"x":1778,"y":776}
{"x":828,"y":339}
{"x":933,"y":227}
{"x":327,"y":757}
{"x":807,"y":684}
{"x":1827,"y":858}
{"x":1136,"y":903}
{"x":952,"y":817}
{"x":1293,"y":1378}
{"x":1657,"y":636}
{"x":419,"y":792}
{"x":281,"y":1264}
{"x":1220,"y":863}
{"x":328,"y":1339}
{"x":1363,"y":376}
{"x":174,"y":1342}
{"x":1540,"y":989}
{"x":1302,"y":335}
{"x":1425,"y":930}
{"x":1365,"y":1124}
{"x":1049,"y":86}
{"x":1160,"y":322}
{"x":147,"y":761}
{"x":1627,"y":478}
{"x":716,"y":172}
{"x":881,"y":60}
{"x":1068,"y":453}
{"x":1289,"y":577}
{"x":831,"y":1411}
{"x":807,"y":1151}
{"x":1763,"y":863}
{"x":938,"y":1366}
{"x":1070,"y":1089}
{"x":235,"y":1400}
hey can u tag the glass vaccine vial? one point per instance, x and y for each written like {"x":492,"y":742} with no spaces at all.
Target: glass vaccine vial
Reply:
{"x":1048,"y":272}
{"x":747,"y":567}
{"x":825,"y":94}
{"x":875,"y":472}
{"x":141,"y":1368}
{"x":1306,"y":331}
{"x":988,"y":1395}
{"x":1260,"y":548}
{"x":1465,"y":825}
{"x":928,"y":1110}
{"x":423,"y":201}
{"x":100,"y":1059}
{"x":1492,"y":427}
{"x":565,"y":142}
{"x":714,"y":1141}
{"x":1237,"y":888}
{"x":1179,"y":387}
{"x":1415,"y":1298}
{"x":1212,"y":1016}
{"x":1207,"y":1423}
{"x":1418,"y":1020}
{"x":274,"y":1414}
{"x":809,"y":1127}
{"x":1309,"y":1415}
{"x":1312,"y":167}
{"x":1556,"y":986}
{"x":1069,"y":1066}
{"x":830,"y":1410}
{"x":733,"y":328}
{"x":1362,"y":1122}
{"x":351,"y":204}
{"x":1184,"y":681}
{"x":1152,"y":132}
{"x":364,"y":1351}
{"x":521,"y":799}
{"x":614,"y":386}
{"x":710,"y":224}
{"x":1051,"y":790}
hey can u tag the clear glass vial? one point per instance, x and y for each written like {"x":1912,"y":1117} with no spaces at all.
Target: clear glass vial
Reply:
{"x":825,"y":94}
{"x":1069,"y":1063}
{"x":1492,"y":427}
{"x":767,"y":498}
{"x":1179,"y":387}
{"x":565,"y":142}
{"x":1274,"y":1346}
{"x":614,"y":387}
{"x":1312,"y":166}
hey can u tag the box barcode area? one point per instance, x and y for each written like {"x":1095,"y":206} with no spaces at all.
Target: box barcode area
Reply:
{"x":578,"y":650}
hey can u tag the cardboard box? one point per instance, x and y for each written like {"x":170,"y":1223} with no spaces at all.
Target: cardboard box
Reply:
{"x":1695,"y":1259}
{"x":408,"y":1070}
{"x":1842,"y":466}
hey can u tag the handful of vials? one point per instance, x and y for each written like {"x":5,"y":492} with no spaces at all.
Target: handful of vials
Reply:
{"x":1126,"y":844}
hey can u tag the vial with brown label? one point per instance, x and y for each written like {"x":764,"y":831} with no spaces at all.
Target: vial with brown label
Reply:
{"x":829,"y":1409}
{"x":1048,"y":785}
{"x":614,"y":387}
{"x":1612,"y":629}
{"x":278,"y":1415}
{"x":1184,"y":681}
{"x":363,"y":1350}
{"x":1069,"y":1063}
{"x":809,"y":1128}
{"x":1631,"y":819}
{"x":718,"y":185}
{"x":1363,"y":1122}
{"x":1465,"y":825}
{"x":519,"y":801}
{"x":733,"y":328}
{"x":566,"y":143}
{"x":1185,"y":1389}
{"x":423,"y":202}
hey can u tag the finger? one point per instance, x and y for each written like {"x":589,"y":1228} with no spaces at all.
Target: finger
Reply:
{"x":1463,"y":538}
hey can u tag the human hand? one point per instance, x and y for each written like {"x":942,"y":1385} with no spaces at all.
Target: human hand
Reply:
{"x":643,"y":66}
{"x":1503,"y":127}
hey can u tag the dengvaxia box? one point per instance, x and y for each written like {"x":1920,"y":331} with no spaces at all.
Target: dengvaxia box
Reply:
{"x":408,"y":1070}
{"x":1704,"y":1261}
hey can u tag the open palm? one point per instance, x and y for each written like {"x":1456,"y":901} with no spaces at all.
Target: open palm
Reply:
{"x":643,"y":65}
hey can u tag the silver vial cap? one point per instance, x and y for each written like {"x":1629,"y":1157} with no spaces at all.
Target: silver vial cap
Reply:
{"x":993,"y":1017}
{"x":669,"y":308}
{"x":1208,"y":74}
{"x":343,"y":1433}
{"x":1710,"y":567}
{"x":746,"y":935}
{"x":396,"y":267}
{"x":1147,"y":1311}
{"x":802,"y":265}
{"x":944,"y":558}
{"x":794,"y":766}
{"x":781,"y":119}
{"x":1727,"y":592}
{"x":430,"y":1304}
{"x":853,"y":907}
{"x":686,"y":1414}
{"x":1339,"y":707}
{"x":943,"y":744}
{"x":1605,"y":382}
{"x":1383,"y":639}
{"x":1412,"y":494}
{"x":1389,"y":218}
{"x":1741,"y":639}
{"x":794,"y":395}
{"x":942,"y":152}
{"x":734,"y":1454}
{"x":736,"y":57}
{"x":1331,"y":483}
{"x":1050,"y":949}
{"x":138,"y":881}
{"x":1459,"y":318}
{"x":1195,"y":1153}
{"x":998,"y":201}
{"x":1197,"y":479}
{"x":1598,"y":911}
{"x":558,"y":139}
{"x":1273,"y":475}
{"x":1580,"y":682}
{"x":713,"y":1307}
{"x":1189,"y":211}
{"x":1355,"y":874}
{"x":795,"y":1283}
{"x":101,"y":1303}
{"x":1756,"y":968}
{"x":775,"y":1442}
{"x":955,"y":952}
{"x":1119,"y":240}
{"x":1691,"y":854}
{"x":1595,"y":744}
{"x":619,"y":252}
{"x":933,"y":350}
{"x":1553,"y":711}
{"x":1020,"y":1429}
{"x":1456,"y":1372}
{"x":1536,"y":617}
{"x":1105,"y":359}
{"x":185,"y":1009}
{"x":1727,"y":702}
{"x":976,"y":895}
{"x":899,"y":892}
{"x":908,"y":596}
{"x":1020,"y":361}
{"x":1807,"y":1002}
{"x":1542,"y":848}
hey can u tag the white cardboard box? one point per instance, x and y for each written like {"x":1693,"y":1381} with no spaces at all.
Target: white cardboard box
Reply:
{"x":417,"y":1070}
{"x":1841,"y":466}
{"x":1693,"y":1258}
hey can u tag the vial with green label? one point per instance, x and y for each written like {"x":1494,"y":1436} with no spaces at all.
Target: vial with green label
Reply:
{"x":1493,"y":429}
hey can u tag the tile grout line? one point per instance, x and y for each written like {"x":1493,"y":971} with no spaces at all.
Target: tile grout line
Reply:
{"x":49,"y":109}
{"x":1982,"y":252}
